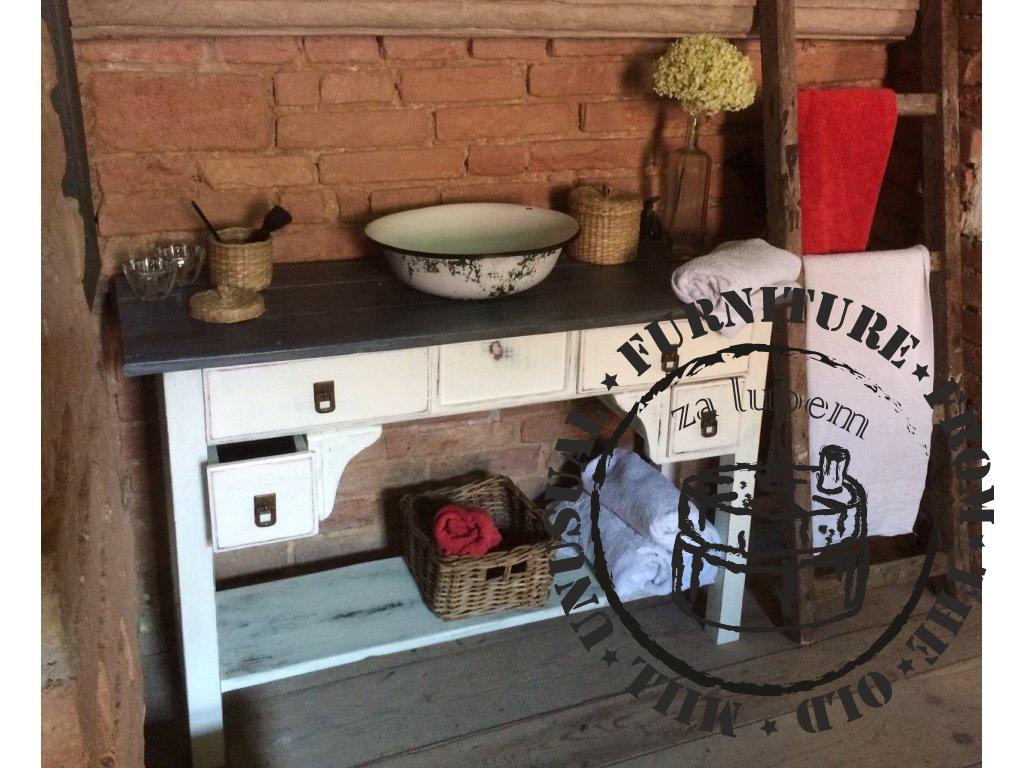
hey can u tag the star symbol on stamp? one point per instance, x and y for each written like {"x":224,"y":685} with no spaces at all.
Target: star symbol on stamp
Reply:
{"x":905,"y":666}
{"x":610,"y":657}
{"x":610,"y":381}
{"x":921,"y":371}
{"x":769,"y":727}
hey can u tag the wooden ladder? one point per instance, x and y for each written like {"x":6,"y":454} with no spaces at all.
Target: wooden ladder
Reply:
{"x":938,"y":107}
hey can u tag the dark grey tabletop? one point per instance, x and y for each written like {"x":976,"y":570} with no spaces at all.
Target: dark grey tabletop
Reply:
{"x":343,"y":307}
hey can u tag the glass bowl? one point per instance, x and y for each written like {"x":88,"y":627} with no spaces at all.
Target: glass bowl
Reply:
{"x":151,"y":277}
{"x":188,"y":257}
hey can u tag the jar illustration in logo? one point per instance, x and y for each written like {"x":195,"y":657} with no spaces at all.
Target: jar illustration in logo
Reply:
{"x":831,"y":535}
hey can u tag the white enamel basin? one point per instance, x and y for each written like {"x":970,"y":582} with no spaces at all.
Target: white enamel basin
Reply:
{"x":473,"y":250}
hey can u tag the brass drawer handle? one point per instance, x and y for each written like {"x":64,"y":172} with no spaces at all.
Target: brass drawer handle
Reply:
{"x":708,"y":422}
{"x":670,"y":360}
{"x":264,"y":510}
{"x":323,"y":396}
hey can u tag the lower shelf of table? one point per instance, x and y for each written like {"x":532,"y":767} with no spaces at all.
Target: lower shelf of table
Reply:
{"x":308,"y":623}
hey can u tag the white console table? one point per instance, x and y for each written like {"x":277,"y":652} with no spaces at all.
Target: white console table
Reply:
{"x":262,"y":418}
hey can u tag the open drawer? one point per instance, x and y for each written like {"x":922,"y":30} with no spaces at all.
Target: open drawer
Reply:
{"x":261,"y":491}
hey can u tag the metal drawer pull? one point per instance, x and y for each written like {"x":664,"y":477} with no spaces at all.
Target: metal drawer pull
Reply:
{"x":708,"y":422}
{"x":264,"y":510}
{"x":497,"y":351}
{"x":323,"y":396}
{"x":670,"y":360}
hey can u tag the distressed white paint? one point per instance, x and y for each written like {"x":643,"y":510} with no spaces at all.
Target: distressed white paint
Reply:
{"x":333,"y":450}
{"x":192,"y":563}
{"x":503,"y":369}
{"x":233,"y":490}
{"x":293,"y":626}
{"x":277,"y":398}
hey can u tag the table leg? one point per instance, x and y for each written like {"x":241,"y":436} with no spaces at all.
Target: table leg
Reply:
{"x":192,"y":563}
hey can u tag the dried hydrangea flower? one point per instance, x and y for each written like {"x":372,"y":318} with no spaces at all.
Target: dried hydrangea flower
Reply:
{"x":706,"y":74}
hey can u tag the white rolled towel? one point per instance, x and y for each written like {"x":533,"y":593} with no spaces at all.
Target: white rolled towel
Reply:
{"x":639,"y":494}
{"x":638,"y":567}
{"x":734,"y":266}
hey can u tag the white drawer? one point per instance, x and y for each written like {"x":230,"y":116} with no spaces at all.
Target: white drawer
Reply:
{"x":502,"y":369}
{"x":599,"y":355}
{"x":280,"y":398}
{"x":684,"y":424}
{"x":261,"y":491}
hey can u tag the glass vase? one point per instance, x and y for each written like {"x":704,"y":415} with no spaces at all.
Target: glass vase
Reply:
{"x":688,"y":214}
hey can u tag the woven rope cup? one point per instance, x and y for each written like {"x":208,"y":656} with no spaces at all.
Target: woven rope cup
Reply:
{"x":455,"y":586}
{"x":237,"y":264}
{"x":609,"y":222}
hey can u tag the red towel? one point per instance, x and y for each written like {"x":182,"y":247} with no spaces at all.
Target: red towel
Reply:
{"x":845,"y":138}
{"x":465,"y":531}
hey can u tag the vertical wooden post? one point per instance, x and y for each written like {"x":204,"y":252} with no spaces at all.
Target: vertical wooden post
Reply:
{"x":782,"y":186}
{"x":941,"y":147}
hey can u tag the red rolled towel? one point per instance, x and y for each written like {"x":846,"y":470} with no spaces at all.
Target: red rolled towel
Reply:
{"x":465,"y":531}
{"x":845,"y":138}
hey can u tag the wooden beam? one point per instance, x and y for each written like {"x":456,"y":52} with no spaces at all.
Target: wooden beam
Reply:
{"x":941,"y":142}
{"x":917,"y":104}
{"x":853,"y":19}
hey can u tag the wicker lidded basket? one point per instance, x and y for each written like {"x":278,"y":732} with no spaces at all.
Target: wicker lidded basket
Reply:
{"x":609,"y":222}
{"x":235,"y":263}
{"x":458,"y":586}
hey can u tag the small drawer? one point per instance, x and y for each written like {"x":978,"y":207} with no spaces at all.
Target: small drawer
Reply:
{"x":599,"y":355}
{"x":502,"y":369}
{"x":261,"y":491}
{"x":692,"y":428}
{"x":285,"y":398}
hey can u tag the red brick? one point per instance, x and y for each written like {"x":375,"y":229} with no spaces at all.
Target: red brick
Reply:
{"x":523,"y":193}
{"x":520,"y":460}
{"x":251,"y":560}
{"x":512,"y":121}
{"x":297,"y":89}
{"x":393,"y":165}
{"x":353,"y":204}
{"x":972,"y":326}
{"x":137,"y":173}
{"x":972,"y":288}
{"x":344,"y":543}
{"x":509,"y":47}
{"x":428,"y":439}
{"x":439,"y":84}
{"x":498,"y":160}
{"x":372,"y":477}
{"x":343,"y":48}
{"x":354,"y":513}
{"x":589,"y":154}
{"x":392,"y":200}
{"x":615,"y":46}
{"x":319,"y":243}
{"x":256,"y":50}
{"x":971,"y":146}
{"x":309,"y":206}
{"x":138,"y":441}
{"x":164,"y":112}
{"x":353,"y":130}
{"x":169,"y":212}
{"x":971,"y":254}
{"x":167,"y":51}
{"x":258,"y":171}
{"x":635,"y":115}
{"x":577,"y":78}
{"x":970,"y":33}
{"x":818,"y":63}
{"x":366,"y":85}
{"x":424,"y":47}
{"x":970,"y":69}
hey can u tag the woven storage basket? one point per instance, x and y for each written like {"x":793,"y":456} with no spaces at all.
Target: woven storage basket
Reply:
{"x":237,"y":264}
{"x":454,"y":587}
{"x":609,"y":222}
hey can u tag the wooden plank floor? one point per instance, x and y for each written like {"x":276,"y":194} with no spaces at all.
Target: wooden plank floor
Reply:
{"x":532,"y":696}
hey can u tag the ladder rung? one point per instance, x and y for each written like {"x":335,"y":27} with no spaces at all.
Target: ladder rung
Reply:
{"x":917,"y":104}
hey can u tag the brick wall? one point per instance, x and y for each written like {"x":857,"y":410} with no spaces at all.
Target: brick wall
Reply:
{"x":970,"y":134}
{"x":342,"y":129}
